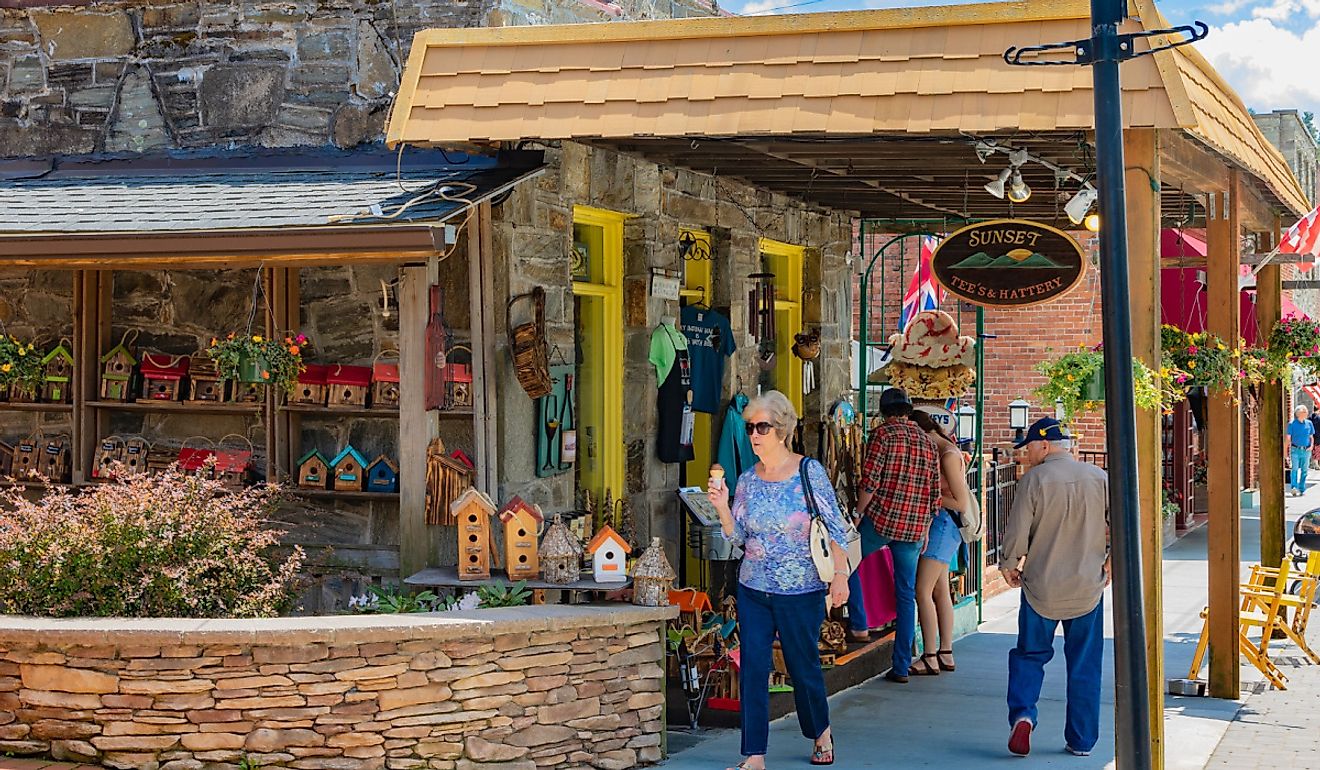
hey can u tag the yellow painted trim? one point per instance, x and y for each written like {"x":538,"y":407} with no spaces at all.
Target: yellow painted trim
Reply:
{"x":1018,"y":12}
{"x":609,"y":412}
{"x":786,"y":261}
{"x":698,"y":275}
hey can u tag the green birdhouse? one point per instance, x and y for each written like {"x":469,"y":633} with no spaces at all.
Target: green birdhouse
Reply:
{"x":57,"y":370}
{"x":116,"y":372}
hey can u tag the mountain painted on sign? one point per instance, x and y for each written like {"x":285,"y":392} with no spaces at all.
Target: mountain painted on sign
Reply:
{"x":1013,"y":259}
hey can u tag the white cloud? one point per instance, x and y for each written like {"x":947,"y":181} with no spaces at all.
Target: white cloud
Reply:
{"x":1271,"y":66}
{"x":1228,"y":7}
{"x":753,"y":7}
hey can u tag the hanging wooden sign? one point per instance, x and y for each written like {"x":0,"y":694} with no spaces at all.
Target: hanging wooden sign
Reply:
{"x":1009,"y":263}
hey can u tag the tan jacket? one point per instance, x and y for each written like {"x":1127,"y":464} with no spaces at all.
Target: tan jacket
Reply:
{"x":1060,"y":522}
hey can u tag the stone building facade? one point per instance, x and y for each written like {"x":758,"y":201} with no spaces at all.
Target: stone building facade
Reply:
{"x":109,"y":76}
{"x":1286,"y":130}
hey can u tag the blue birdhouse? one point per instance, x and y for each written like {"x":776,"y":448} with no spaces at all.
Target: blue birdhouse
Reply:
{"x":382,"y":475}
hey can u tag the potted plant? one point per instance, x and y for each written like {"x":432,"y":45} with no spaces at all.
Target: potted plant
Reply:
{"x":1296,"y":340}
{"x":1169,"y":510}
{"x":257,"y":359}
{"x":1202,"y":356}
{"x":20,"y":366}
{"x":1076,"y":381}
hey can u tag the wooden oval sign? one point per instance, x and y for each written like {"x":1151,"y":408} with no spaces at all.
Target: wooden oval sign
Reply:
{"x":1009,"y":263}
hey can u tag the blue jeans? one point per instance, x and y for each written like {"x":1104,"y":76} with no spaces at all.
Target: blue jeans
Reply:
{"x":1083,"y":647}
{"x":905,"y":590}
{"x":856,"y":608}
{"x":1301,"y":463}
{"x":796,"y":618}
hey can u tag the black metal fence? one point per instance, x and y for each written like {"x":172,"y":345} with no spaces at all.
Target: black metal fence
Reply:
{"x":1001,"y":483}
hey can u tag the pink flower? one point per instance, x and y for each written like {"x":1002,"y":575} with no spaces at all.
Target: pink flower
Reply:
{"x":1191,"y":349}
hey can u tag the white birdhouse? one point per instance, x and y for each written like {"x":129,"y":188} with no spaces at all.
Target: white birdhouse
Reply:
{"x":609,"y":556}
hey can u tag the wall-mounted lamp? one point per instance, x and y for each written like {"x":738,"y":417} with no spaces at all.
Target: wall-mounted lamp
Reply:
{"x":966,"y":422}
{"x":1018,"y":412}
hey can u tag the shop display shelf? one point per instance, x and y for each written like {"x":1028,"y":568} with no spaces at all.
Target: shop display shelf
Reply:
{"x":178,"y":406}
{"x":392,"y":414}
{"x":330,"y":494}
{"x":6,"y":406}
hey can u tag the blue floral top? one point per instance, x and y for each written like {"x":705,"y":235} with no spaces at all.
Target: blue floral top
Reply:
{"x":771,"y":523}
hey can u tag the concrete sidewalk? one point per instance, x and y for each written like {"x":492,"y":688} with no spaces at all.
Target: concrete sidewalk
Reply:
{"x":961,"y":718}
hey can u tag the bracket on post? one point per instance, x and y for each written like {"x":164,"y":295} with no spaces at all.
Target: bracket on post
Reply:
{"x":1084,"y":54}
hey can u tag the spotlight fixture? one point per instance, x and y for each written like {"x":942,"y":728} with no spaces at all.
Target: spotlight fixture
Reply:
{"x":1018,"y":191}
{"x":1081,"y":203}
{"x":996,"y":188}
{"x":1092,"y":222}
{"x":984,"y":149}
{"x":1018,"y":157}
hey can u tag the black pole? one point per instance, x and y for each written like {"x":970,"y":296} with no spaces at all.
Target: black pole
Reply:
{"x":1132,"y":718}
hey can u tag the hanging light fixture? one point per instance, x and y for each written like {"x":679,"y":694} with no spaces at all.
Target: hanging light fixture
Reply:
{"x":996,"y":188}
{"x":1080,"y":204}
{"x":1018,"y":190}
{"x":1092,"y":222}
{"x":984,"y":149}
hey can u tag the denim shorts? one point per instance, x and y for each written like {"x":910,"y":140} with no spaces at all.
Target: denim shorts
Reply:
{"x":944,"y":538}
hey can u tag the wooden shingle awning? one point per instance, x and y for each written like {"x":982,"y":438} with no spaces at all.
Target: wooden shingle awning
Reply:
{"x":740,"y":85}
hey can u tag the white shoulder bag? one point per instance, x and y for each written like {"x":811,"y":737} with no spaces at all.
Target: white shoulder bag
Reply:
{"x":821,"y":553}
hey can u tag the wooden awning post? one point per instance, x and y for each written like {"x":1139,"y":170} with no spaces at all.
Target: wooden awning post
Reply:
{"x":1270,"y":417}
{"x":1224,"y":446}
{"x":1141,"y":154}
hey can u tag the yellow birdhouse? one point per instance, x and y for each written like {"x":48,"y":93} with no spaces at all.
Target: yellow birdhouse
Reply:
{"x":522,"y":525}
{"x":473,"y":510}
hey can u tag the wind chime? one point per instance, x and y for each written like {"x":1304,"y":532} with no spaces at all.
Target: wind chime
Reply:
{"x":806,"y":346}
{"x":761,"y":306}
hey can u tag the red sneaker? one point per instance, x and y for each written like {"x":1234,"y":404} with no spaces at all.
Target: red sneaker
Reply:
{"x":1019,"y":741}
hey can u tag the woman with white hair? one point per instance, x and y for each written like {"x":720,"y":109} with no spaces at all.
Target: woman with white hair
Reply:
{"x":780,"y":592}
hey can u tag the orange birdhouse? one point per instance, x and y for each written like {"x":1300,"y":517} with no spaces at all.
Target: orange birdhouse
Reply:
{"x":472,"y":510}
{"x":522,"y":525}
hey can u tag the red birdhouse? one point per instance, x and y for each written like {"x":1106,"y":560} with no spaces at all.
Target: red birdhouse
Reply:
{"x":311,"y":385}
{"x":348,"y":385}
{"x":385,"y":385}
{"x":162,"y":376}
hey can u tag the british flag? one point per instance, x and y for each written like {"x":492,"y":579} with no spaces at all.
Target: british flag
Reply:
{"x":923,"y":293}
{"x":1303,"y":237}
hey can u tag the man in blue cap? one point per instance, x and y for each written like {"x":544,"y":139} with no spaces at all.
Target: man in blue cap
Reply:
{"x":1056,"y":547}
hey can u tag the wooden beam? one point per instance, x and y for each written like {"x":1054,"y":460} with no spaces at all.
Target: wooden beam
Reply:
{"x":1224,"y":445}
{"x":1269,"y":309}
{"x":414,"y":435}
{"x":1290,"y":285}
{"x":481,"y":286}
{"x":1142,"y":159}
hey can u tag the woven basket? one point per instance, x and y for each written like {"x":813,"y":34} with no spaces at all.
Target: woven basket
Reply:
{"x":527,"y":345}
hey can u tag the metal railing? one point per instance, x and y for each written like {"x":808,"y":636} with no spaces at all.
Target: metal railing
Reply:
{"x":1001,"y":478}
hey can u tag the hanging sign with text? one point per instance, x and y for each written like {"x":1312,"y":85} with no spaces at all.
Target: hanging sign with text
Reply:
{"x":1009,"y":263}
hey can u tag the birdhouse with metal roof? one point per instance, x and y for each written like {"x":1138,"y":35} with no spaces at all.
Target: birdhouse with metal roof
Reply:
{"x":162,"y":376}
{"x":609,"y":556}
{"x":652,"y":577}
{"x":522,"y":525}
{"x":473,"y":511}
{"x":385,"y":384}
{"x":57,"y":371}
{"x":205,"y":385}
{"x":382,"y":475}
{"x":348,"y":470}
{"x":313,"y":470}
{"x":116,"y":372}
{"x":311,"y":388}
{"x":561,"y":554}
{"x":348,"y":386}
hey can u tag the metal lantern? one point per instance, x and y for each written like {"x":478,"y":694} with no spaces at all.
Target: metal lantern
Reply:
{"x":1018,"y":413}
{"x":966,"y":422}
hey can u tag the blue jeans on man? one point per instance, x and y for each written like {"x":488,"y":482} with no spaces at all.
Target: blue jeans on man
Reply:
{"x":1083,"y":647}
{"x":905,"y":590}
{"x":1301,"y":463}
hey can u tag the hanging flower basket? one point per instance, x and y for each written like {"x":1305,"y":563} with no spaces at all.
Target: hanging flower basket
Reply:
{"x":1203,"y":357}
{"x":252,"y":367}
{"x":20,"y":366}
{"x":1093,"y":387}
{"x":1076,"y":381}
{"x":256,"y":359}
{"x":1295,"y":340}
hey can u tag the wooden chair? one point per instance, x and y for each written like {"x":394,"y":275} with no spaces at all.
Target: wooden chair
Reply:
{"x":1299,"y":597}
{"x":1262,"y":608}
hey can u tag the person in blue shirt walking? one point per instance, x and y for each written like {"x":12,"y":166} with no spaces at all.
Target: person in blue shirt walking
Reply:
{"x":1301,"y":434}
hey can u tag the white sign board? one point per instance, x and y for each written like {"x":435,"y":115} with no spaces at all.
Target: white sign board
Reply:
{"x":942,"y":417}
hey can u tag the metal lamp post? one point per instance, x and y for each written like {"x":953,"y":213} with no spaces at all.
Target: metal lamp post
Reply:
{"x":966,"y":423}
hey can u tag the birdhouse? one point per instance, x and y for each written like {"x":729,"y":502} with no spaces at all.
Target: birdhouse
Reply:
{"x":6,"y":460}
{"x":385,"y":385}
{"x":204,"y":382}
{"x":348,"y":386}
{"x":247,"y":392}
{"x":382,"y":475}
{"x":458,"y":378}
{"x":57,"y":368}
{"x":195,"y":459}
{"x":652,"y":577}
{"x":108,"y":452}
{"x":313,"y":470}
{"x":135,"y":454}
{"x":27,"y":454}
{"x":522,"y":524}
{"x":561,"y":554}
{"x":311,"y":387}
{"x":116,"y":372}
{"x":159,"y":460}
{"x":233,"y":466}
{"x":348,"y":469}
{"x":609,"y":556}
{"x":54,"y":458}
{"x":162,"y":376}
{"x":473,"y":510}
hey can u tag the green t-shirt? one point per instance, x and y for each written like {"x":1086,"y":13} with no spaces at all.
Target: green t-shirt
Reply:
{"x":666,"y":341}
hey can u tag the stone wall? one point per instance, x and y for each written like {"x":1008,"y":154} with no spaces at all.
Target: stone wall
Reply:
{"x":534,"y":231}
{"x":553,"y":687}
{"x":1286,"y":131}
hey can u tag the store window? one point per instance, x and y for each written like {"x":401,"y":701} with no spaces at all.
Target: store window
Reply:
{"x":597,"y":268}
{"x":785,"y":261}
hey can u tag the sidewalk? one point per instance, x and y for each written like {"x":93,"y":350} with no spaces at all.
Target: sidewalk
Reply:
{"x":961,"y":718}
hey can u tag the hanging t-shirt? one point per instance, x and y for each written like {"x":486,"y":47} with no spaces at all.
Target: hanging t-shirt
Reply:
{"x":666,"y":341}
{"x":710,"y":341}
{"x":674,"y":424}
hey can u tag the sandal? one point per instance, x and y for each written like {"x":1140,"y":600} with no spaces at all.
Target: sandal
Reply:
{"x":925,"y":668}
{"x":822,"y":755}
{"x":741,"y":766}
{"x":950,"y":666}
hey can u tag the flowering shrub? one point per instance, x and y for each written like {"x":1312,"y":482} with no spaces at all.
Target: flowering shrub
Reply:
{"x":281,"y":362}
{"x":171,"y":545}
{"x":20,"y":364}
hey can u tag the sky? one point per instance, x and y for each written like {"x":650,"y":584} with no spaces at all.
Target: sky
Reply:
{"x":1268,"y":50}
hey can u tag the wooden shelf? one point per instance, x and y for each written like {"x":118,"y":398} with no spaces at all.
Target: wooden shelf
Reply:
{"x":178,"y":406}
{"x":334,"y":411}
{"x":330,"y":494}
{"x":8,"y":406}
{"x":37,"y":484}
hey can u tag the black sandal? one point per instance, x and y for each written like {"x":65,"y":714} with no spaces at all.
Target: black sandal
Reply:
{"x":822,"y":755}
{"x":940,"y":657}
{"x":926,"y":668}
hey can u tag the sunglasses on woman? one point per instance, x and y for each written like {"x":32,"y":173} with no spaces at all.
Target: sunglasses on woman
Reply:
{"x":762,"y":428}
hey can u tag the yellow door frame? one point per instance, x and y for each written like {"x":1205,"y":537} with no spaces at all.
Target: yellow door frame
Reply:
{"x":698,"y":277}
{"x":786,"y":260}
{"x":606,"y":285}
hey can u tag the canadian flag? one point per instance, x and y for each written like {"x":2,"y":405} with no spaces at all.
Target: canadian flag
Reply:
{"x":1303,"y":238}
